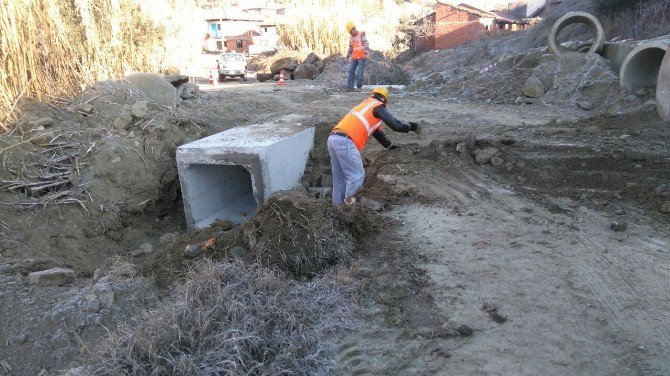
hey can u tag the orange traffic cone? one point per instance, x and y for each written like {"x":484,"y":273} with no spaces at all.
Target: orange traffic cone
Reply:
{"x":211,"y":78}
{"x":281,"y":78}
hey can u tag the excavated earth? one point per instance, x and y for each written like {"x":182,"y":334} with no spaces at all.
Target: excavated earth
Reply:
{"x":556,"y":257}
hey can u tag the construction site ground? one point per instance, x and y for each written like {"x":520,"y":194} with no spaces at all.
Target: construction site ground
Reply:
{"x":477,"y":269}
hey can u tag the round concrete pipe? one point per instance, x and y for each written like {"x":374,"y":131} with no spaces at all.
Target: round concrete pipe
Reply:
{"x":663,"y":88}
{"x":571,"y":18}
{"x":642,"y":65}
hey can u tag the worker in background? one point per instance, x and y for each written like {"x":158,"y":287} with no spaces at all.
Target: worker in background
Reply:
{"x":358,"y":52}
{"x":349,"y":137}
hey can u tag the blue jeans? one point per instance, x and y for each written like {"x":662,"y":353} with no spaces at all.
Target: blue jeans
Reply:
{"x":352,"y":69}
{"x":347,"y":166}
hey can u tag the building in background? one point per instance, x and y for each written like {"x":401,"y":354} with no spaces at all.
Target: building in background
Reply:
{"x":247,"y":30}
{"x":452,"y":25}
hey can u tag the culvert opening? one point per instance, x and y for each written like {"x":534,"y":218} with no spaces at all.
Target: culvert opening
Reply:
{"x":640,"y":69}
{"x":573,"y":27}
{"x":219,"y":192}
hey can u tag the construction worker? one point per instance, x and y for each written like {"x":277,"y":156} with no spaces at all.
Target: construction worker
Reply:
{"x":358,"y":52}
{"x":349,"y":137}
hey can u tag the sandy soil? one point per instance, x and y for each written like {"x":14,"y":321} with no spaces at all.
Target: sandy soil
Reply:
{"x":480,"y":270}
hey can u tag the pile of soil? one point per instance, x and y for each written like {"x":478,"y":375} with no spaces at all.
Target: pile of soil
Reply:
{"x":379,"y":70}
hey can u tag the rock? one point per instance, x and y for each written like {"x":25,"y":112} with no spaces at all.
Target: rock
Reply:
{"x":483,"y":156}
{"x":312,"y":58}
{"x":123,"y":122}
{"x":84,"y":108}
{"x":92,"y":304}
{"x":155,"y":87}
{"x":618,"y":226}
{"x":388,"y":179}
{"x":41,"y":139}
{"x":324,"y":181}
{"x":465,"y":330}
{"x":188,"y":91}
{"x":496,"y":161}
{"x":262,"y":77}
{"x":287,"y":63}
{"x":105,"y":294}
{"x":192,"y":250}
{"x":662,"y":190}
{"x":306,"y":72}
{"x":533,"y":88}
{"x":172,"y":71}
{"x":144,"y":249}
{"x":238,"y":252}
{"x":519,"y":101}
{"x":521,"y":179}
{"x":320,"y":192}
{"x":665,"y":209}
{"x":507,"y":140}
{"x":56,"y":276}
{"x":585,"y":105}
{"x":373,"y":205}
{"x":33,"y":265}
{"x":44,"y":122}
{"x":469,"y":142}
{"x":22,"y":338}
{"x":168,"y":238}
{"x":509,"y":166}
{"x":139,"y":109}
{"x":176,"y":80}
{"x":461,"y":148}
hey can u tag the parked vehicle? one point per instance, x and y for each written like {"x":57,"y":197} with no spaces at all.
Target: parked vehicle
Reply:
{"x":231,"y":64}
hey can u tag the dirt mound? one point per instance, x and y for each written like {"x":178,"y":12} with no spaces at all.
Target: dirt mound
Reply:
{"x":379,"y":70}
{"x":303,"y":236}
{"x":231,"y":318}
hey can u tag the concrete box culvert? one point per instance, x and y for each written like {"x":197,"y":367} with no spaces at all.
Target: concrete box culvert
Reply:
{"x":642,"y":65}
{"x":571,"y":18}
{"x":227,"y":175}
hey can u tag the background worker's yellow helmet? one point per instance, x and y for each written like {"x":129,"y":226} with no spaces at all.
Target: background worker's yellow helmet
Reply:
{"x":381,"y":91}
{"x":350,"y":25}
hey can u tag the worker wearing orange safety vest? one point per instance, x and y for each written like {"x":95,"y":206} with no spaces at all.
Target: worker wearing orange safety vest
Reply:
{"x":358,"y":52}
{"x":349,"y":137}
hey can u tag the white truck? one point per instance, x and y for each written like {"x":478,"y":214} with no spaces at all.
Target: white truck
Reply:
{"x":231,"y":64}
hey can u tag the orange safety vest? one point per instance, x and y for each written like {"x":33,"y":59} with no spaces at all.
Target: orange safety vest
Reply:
{"x":358,"y":48}
{"x":360,"y":122}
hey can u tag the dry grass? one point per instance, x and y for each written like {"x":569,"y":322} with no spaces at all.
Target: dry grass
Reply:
{"x":321,"y":32}
{"x":232,"y":319}
{"x":53,"y":49}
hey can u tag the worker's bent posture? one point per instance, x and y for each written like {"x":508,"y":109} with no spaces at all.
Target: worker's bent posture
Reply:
{"x":349,"y":137}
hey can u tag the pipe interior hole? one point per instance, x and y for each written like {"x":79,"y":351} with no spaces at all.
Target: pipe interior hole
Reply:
{"x":576,"y":36}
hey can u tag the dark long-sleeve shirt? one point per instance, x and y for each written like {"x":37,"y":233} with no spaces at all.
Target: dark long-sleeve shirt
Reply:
{"x":382,"y":113}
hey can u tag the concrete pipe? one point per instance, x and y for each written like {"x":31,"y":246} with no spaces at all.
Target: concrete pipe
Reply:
{"x":576,"y":18}
{"x":641,"y":66}
{"x":663,"y":88}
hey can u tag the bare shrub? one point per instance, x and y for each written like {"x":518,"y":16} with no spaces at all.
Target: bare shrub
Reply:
{"x":321,"y":32}
{"x":231,"y":319}
{"x":52,"y":49}
{"x":637,"y":19}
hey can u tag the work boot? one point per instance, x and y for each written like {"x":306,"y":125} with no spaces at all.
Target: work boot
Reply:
{"x":348,"y":89}
{"x":359,"y":89}
{"x":351,"y":201}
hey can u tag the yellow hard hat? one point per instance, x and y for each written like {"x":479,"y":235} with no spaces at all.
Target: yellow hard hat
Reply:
{"x":381,"y":91}
{"x":350,"y":25}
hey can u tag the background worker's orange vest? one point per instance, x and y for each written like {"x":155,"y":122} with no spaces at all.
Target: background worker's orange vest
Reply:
{"x":358,"y":46}
{"x":360,"y":122}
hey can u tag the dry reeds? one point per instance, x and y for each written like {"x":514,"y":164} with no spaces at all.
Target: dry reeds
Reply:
{"x":55,"y":48}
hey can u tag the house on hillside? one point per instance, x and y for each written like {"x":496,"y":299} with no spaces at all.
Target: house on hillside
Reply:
{"x":452,"y":25}
{"x":230,"y":30}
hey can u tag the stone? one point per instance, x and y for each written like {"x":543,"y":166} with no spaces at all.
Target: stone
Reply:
{"x":306,"y":72}
{"x":665,"y":209}
{"x":144,"y":249}
{"x":172,"y":71}
{"x":188,"y":91}
{"x":496,"y":161}
{"x":176,"y":80}
{"x":236,"y":170}
{"x":618,"y":226}
{"x":105,"y":294}
{"x":239,"y":252}
{"x":43,"y":122}
{"x":92,"y":305}
{"x":59,"y":340}
{"x":262,"y":77}
{"x":56,"y":276}
{"x":585,"y":105}
{"x":507,"y":140}
{"x":388,"y":179}
{"x":324,"y":181}
{"x":155,"y":88}
{"x":519,"y":101}
{"x":469,"y":142}
{"x":509,"y":166}
{"x":34,"y":265}
{"x":662,"y":190}
{"x":533,"y":88}
{"x":371,"y":204}
{"x":168,"y":238}
{"x":84,"y":108}
{"x":461,"y":148}
{"x":483,"y":156}
{"x":287,"y":63}
{"x":123,"y":122}
{"x":22,"y":338}
{"x":139,"y":109}
{"x":320,"y":192}
{"x":312,"y":58}
{"x":465,"y":330}
{"x":521,"y":179}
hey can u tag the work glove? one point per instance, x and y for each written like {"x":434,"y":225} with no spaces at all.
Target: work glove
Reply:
{"x":415,"y":127}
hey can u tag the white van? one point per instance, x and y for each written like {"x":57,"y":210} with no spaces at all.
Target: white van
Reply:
{"x":231,"y":64}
